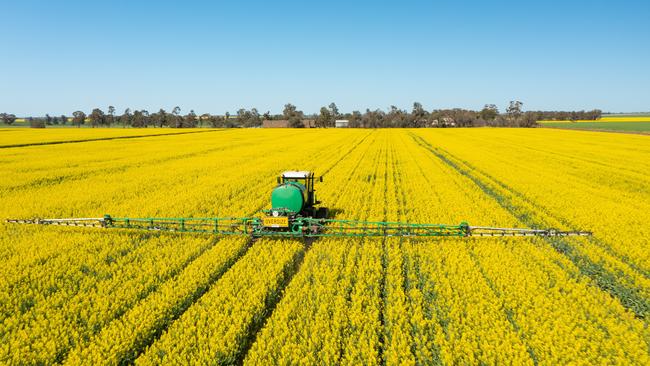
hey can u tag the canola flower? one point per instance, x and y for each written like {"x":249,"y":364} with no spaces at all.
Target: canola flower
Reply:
{"x":541,"y":345}
{"x":78,"y":296}
{"x":217,"y":326}
{"x":105,"y":280}
{"x":441,"y":302}
{"x":573,"y":186}
{"x":121,"y":339}
{"x":26,"y":137}
{"x":79,"y":299}
{"x":331,"y":311}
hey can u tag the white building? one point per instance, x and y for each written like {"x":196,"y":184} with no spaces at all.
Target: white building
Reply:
{"x":339,"y":123}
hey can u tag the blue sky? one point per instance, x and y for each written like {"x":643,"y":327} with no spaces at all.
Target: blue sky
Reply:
{"x":214,"y":56}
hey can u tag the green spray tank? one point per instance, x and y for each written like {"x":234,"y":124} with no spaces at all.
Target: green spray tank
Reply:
{"x":295,"y":196}
{"x":290,"y":197}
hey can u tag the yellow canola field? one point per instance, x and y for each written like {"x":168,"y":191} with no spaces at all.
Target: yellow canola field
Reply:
{"x":95,"y":296}
{"x":21,"y":137}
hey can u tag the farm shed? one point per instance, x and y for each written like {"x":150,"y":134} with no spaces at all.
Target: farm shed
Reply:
{"x":340,"y":123}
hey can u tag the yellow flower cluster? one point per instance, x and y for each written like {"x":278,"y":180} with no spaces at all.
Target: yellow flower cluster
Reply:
{"x":65,"y":300}
{"x":122,"y":338}
{"x":26,"y":137}
{"x":75,"y":294}
{"x":92,"y":296}
{"x":571,"y":185}
{"x":218,"y":326}
{"x":560,"y":310}
{"x":331,"y":311}
{"x":489,"y":301}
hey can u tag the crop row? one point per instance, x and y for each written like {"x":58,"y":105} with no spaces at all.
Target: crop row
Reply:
{"x":105,"y":297}
{"x":531,"y":290}
{"x":331,"y":311}
{"x":65,"y":289}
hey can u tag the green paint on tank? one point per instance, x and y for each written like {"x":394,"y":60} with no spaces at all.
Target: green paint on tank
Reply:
{"x":289,"y":196}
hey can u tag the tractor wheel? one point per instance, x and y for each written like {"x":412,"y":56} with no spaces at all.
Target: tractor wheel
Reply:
{"x":322,"y":213}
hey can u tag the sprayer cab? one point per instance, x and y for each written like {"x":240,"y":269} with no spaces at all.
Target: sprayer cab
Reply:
{"x":295,"y":196}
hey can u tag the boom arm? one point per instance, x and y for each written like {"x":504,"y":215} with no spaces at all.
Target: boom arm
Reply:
{"x":298,"y":227}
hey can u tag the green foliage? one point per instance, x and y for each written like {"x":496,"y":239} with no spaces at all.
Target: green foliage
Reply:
{"x":603,"y":126}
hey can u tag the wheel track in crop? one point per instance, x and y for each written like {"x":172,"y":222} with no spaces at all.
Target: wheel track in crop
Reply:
{"x":578,"y":276}
{"x":631,"y":173}
{"x":200,"y":291}
{"x":103,"y":139}
{"x":382,"y":286}
{"x":629,"y":297}
{"x":359,"y":242}
{"x":442,"y":318}
{"x":195,"y":296}
{"x":308,"y":242}
{"x":130,"y":253}
{"x":274,"y":300}
{"x":273,"y":303}
{"x":308,"y":245}
{"x":465,"y":167}
{"x":508,"y":310}
{"x":67,"y":178}
{"x":343,"y":156}
{"x":260,"y":187}
{"x":346,"y":186}
{"x":402,"y":215}
{"x":146,"y":236}
{"x":240,"y":194}
{"x":142,"y":293}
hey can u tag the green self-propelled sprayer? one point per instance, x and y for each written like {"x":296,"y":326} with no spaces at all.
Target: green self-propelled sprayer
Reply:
{"x":294,"y":213}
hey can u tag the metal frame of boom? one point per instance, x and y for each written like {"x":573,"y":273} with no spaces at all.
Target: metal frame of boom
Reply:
{"x":298,"y":227}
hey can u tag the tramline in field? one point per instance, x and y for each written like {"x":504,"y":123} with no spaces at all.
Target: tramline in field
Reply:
{"x":295,"y":213}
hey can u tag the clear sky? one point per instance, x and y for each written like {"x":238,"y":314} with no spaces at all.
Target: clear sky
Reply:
{"x":218,"y":56}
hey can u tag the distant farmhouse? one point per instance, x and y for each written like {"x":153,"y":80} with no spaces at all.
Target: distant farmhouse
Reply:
{"x":341,"y":123}
{"x":443,"y":122}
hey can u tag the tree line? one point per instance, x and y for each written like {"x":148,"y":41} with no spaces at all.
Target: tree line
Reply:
{"x":418,"y":116}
